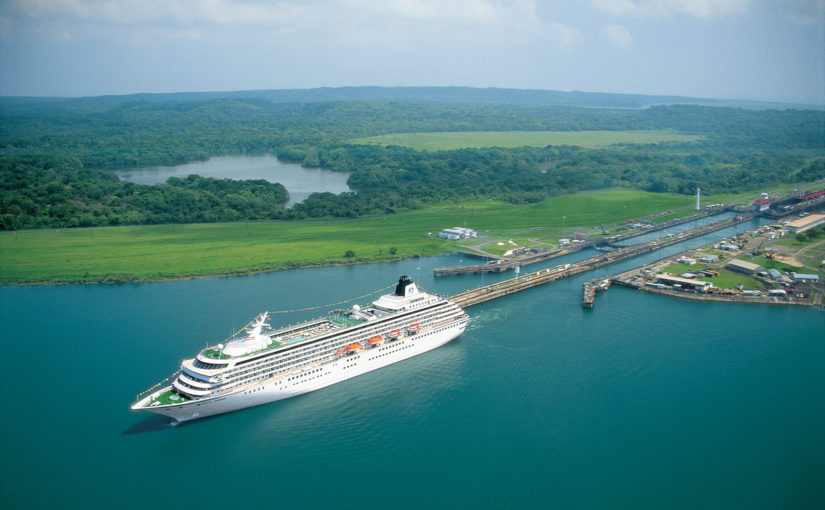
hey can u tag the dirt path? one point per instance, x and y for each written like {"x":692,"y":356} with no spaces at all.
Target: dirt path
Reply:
{"x":479,"y":249}
{"x":800,"y":255}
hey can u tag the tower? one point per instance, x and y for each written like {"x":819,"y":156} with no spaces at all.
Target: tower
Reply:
{"x":698,"y":193}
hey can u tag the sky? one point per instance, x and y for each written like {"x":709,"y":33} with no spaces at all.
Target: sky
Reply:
{"x":764,"y":50}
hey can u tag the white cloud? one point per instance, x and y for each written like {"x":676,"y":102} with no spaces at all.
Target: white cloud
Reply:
{"x":395,"y":23}
{"x":565,"y":35}
{"x":491,"y":13}
{"x":618,"y":35}
{"x":174,"y":11}
{"x":659,"y":8}
{"x":616,"y":7}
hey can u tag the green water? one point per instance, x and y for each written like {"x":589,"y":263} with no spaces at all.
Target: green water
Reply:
{"x":644,"y":402}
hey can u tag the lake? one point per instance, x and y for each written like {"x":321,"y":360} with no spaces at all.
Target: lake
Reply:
{"x":643,"y":402}
{"x":299,"y":181}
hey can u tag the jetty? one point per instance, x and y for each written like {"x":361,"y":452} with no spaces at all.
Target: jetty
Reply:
{"x":589,"y":290}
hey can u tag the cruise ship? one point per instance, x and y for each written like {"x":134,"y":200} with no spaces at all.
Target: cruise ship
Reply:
{"x":265,"y":364}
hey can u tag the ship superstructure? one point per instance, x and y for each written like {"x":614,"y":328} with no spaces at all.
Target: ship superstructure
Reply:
{"x":264,"y":365}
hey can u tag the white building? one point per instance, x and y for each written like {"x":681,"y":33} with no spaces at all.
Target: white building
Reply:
{"x":803,"y":278}
{"x":742,"y":266}
{"x":457,"y":233}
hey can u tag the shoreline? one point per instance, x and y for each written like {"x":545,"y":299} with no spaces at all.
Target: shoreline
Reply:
{"x":721,"y":297}
{"x":123,"y":279}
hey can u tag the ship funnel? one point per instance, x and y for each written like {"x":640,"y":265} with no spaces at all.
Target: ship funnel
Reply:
{"x":401,"y":288}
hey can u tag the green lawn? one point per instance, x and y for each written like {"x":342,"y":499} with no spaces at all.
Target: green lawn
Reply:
{"x":142,"y":253}
{"x":725,"y":280}
{"x":678,"y":269}
{"x":729,"y":280}
{"x":479,"y":139}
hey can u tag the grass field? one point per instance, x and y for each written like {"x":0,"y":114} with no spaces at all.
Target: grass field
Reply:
{"x":479,"y":139}
{"x":144,"y":253}
{"x":725,"y":280}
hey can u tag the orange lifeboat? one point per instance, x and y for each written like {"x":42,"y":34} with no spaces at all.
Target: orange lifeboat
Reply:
{"x":414,"y":328}
{"x":341,"y":351}
{"x":375,"y":340}
{"x":355,"y":346}
{"x":394,"y":334}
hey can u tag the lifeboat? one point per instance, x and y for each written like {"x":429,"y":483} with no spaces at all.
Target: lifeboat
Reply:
{"x":341,"y":351}
{"x":414,"y":328}
{"x":394,"y":334}
{"x":375,"y":340}
{"x":354,"y":347}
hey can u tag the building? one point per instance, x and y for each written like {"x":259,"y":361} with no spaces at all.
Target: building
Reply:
{"x":805,"y":278}
{"x":729,"y":247}
{"x":806,"y":223}
{"x":741,"y":266}
{"x":708,"y":259}
{"x":775,"y":274}
{"x":457,"y":233}
{"x":761,"y":205}
{"x":686,"y":260}
{"x":679,"y":282}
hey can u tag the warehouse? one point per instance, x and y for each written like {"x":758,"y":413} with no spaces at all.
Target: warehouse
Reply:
{"x":741,"y":266}
{"x":806,"y":223}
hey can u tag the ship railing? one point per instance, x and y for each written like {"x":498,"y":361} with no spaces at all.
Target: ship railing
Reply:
{"x":156,"y":387}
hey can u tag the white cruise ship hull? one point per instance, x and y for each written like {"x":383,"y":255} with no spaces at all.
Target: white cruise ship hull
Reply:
{"x":310,"y":378}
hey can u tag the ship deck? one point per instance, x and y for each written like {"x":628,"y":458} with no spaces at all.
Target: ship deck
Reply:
{"x":166,"y":398}
{"x":293,"y":334}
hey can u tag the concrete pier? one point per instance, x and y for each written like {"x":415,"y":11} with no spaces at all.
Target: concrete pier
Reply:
{"x":589,"y":290}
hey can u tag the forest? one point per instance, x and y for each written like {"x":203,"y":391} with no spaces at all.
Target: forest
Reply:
{"x":57,"y":155}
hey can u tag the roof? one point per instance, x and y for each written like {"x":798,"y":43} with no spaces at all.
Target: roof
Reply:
{"x":807,"y":220}
{"x":750,"y":266}
{"x":677,"y":279}
{"x":802,"y":276}
{"x":761,"y":201}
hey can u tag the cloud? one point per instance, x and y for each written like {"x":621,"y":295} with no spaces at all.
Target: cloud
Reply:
{"x":618,"y":35}
{"x":564,"y":35}
{"x":478,"y":12}
{"x":489,"y":13}
{"x":661,"y":8}
{"x":350,"y":22}
{"x":231,"y":12}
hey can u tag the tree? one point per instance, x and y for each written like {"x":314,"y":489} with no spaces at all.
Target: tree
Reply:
{"x":349,"y":254}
